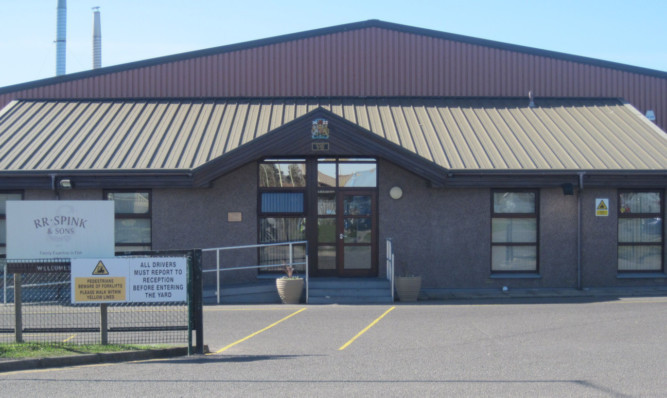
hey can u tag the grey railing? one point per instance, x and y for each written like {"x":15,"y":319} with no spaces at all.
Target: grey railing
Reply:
{"x":390,"y":266}
{"x":290,"y":261}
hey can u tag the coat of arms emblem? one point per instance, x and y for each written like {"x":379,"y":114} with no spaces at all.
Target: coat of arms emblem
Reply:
{"x":320,"y":129}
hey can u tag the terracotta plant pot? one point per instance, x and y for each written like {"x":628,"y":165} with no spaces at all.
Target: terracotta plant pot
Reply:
{"x":289,"y":290}
{"x":407,"y":287}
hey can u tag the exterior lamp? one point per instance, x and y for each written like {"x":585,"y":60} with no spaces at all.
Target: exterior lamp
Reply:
{"x":65,"y":183}
{"x":396,"y":193}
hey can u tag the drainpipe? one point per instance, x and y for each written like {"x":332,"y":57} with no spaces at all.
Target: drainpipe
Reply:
{"x":579,"y":226}
{"x":54,"y":187}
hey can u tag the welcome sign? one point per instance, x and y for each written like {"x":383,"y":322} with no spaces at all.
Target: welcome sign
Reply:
{"x":59,"y":229}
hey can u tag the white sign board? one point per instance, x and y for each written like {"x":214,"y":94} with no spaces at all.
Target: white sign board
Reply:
{"x":39,"y":229}
{"x":132,"y":280}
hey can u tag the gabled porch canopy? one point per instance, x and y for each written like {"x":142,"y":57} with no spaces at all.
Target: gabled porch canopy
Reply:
{"x":453,"y":142}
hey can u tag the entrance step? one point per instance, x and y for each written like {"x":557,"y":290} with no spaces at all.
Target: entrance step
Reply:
{"x":261,"y":292}
{"x":349,"y":291}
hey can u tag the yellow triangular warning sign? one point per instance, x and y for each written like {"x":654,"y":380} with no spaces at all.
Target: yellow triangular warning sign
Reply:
{"x":100,"y":269}
{"x":602,"y":205}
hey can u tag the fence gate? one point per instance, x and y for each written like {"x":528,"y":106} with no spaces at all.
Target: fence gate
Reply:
{"x":37,"y":303}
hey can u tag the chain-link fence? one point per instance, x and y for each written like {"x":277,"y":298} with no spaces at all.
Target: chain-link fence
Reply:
{"x":47,"y":312}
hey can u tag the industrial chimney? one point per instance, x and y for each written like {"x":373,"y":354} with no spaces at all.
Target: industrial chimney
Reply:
{"x":61,"y":33}
{"x":97,"y":39}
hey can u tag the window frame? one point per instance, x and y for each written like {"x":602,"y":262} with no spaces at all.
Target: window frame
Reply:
{"x":534,"y":215}
{"x":133,"y":216}
{"x":622,"y":215}
{"x":3,"y":216}
{"x":262,"y":215}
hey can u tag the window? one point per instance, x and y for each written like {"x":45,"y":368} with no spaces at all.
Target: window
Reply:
{"x":132,"y":219}
{"x":4,"y":197}
{"x":640,"y":231}
{"x":282,"y":209}
{"x":514,"y":227}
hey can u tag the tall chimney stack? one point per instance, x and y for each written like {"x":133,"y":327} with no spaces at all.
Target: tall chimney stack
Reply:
{"x":61,"y":34}
{"x":97,"y":39}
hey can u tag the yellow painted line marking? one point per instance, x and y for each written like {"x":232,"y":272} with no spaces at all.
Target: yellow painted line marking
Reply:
{"x":69,"y":338}
{"x":344,"y":346}
{"x":258,"y":332}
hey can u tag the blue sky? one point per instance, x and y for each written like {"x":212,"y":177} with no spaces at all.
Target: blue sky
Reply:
{"x":632,"y":32}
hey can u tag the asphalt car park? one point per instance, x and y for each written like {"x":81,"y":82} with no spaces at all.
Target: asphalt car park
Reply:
{"x":565,"y":347}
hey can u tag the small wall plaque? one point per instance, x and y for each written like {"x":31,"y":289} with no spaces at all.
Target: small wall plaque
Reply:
{"x":320,"y":146}
{"x":234,"y":216}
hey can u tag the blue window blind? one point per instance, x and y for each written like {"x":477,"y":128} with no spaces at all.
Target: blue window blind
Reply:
{"x":282,"y":202}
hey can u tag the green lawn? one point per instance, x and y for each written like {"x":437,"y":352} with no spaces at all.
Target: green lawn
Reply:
{"x":41,"y":350}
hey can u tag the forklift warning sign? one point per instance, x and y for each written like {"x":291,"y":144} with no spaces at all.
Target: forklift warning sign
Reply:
{"x":129,"y":280}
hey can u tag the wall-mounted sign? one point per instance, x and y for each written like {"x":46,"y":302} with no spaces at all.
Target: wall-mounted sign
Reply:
{"x":320,"y":129}
{"x":320,"y":146}
{"x":133,"y":280}
{"x":601,"y":207}
{"x":39,"y":229}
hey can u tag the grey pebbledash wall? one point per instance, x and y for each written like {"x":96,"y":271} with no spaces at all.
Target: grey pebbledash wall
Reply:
{"x":442,"y":234}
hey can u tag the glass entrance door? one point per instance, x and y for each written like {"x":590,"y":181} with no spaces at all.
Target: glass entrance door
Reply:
{"x":356,"y":234}
{"x":347,"y":242}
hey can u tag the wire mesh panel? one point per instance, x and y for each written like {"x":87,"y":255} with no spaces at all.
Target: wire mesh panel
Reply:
{"x":48,"y":313}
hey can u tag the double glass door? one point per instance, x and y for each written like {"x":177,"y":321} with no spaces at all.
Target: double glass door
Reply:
{"x":346,"y":238}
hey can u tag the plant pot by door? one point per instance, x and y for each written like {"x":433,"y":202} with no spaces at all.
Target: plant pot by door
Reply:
{"x":407,"y":287}
{"x":289,"y":290}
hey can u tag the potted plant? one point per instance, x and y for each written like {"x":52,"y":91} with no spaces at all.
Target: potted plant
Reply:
{"x":408,"y":287}
{"x":289,"y":286}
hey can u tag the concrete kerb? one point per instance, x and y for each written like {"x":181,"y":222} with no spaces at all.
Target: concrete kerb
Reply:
{"x":90,"y":359}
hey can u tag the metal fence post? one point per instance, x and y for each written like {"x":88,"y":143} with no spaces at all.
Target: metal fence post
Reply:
{"x":199,"y":299}
{"x":104,"y":326}
{"x":195,"y":302}
{"x":4,"y":283}
{"x":18,"y":315}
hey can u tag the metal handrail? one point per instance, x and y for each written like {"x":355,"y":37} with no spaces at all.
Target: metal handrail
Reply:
{"x":217,"y":269}
{"x":390,"y":266}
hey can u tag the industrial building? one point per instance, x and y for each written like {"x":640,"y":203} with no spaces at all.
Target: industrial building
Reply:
{"x":487,"y":164}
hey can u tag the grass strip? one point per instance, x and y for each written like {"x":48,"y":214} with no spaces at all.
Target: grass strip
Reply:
{"x":43,"y":350}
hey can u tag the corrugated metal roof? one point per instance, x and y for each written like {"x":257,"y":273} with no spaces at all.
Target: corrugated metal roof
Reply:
{"x":457,"y":134}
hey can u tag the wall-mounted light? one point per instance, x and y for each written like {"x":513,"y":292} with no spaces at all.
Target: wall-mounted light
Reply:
{"x":65,"y":183}
{"x":396,"y":193}
{"x":650,"y":115}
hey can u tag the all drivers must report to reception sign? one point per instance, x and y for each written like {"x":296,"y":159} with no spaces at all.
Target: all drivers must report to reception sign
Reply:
{"x":133,"y":280}
{"x":52,"y":229}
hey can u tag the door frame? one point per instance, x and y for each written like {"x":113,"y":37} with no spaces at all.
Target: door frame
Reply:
{"x":341,"y":271}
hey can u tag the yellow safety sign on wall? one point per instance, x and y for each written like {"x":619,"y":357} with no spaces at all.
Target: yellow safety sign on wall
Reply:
{"x":601,"y":207}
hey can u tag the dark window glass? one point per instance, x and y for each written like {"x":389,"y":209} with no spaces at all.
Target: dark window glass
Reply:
{"x":282,"y":202}
{"x":514,"y":231}
{"x":640,"y":231}
{"x":133,"y":230}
